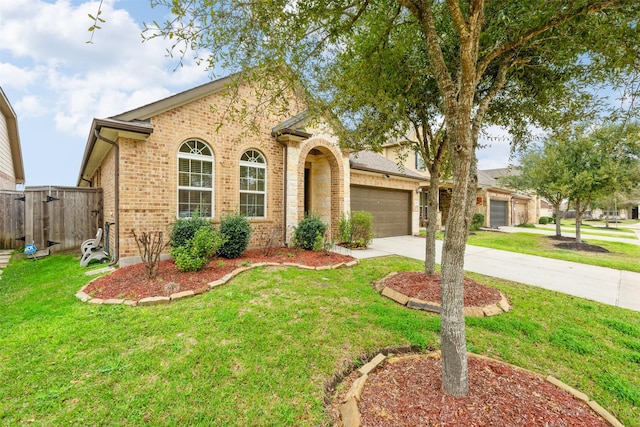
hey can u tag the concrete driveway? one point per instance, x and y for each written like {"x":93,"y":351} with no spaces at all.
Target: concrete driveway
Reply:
{"x":606,"y":285}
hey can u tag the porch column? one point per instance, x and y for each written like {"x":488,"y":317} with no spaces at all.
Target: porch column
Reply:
{"x":292,"y":189}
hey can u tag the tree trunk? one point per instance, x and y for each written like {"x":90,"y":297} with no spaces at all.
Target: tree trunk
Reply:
{"x":558,"y":221}
{"x":455,"y":381}
{"x":578,"y":223}
{"x":432,"y":220}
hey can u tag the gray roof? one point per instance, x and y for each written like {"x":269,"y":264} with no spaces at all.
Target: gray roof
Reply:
{"x":499,"y":173}
{"x":372,"y":162}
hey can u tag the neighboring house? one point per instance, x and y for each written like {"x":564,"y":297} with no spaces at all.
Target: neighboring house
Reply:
{"x":11,"y":165}
{"x":500,"y":205}
{"x":169,"y":159}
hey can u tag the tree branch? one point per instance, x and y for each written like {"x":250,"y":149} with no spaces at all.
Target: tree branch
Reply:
{"x":534,"y":32}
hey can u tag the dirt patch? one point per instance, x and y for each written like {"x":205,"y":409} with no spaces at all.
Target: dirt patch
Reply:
{"x":131,"y":283}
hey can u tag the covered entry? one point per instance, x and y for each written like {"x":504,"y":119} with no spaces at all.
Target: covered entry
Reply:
{"x":391,"y":209}
{"x":498,"y":213}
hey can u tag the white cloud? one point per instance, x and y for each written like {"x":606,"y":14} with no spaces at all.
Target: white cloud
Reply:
{"x":18,"y":77}
{"x":30,"y":106}
{"x":115,"y":73}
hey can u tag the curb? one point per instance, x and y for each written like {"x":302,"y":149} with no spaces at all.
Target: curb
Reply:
{"x":84,"y":297}
{"x":489,"y":310}
{"x":350,"y":414}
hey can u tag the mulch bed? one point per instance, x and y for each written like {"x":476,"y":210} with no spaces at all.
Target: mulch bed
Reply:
{"x":130,"y":282}
{"x":569,"y":243}
{"x":425,"y":287}
{"x":408,"y":392}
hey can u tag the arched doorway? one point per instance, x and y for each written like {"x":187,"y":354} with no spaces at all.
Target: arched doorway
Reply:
{"x":321,"y":184}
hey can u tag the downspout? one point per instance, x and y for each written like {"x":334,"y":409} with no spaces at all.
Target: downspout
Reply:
{"x":116,"y":195}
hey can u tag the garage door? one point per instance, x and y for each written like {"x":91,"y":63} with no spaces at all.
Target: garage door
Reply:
{"x":391,"y":209}
{"x":498,"y":213}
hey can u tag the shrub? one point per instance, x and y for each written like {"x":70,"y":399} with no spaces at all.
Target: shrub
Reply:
{"x":237,"y":229}
{"x":543,"y":220}
{"x":197,"y":252}
{"x":150,"y":246}
{"x":185,"y":228}
{"x":356,"y":231}
{"x":477,"y":222}
{"x":309,"y":232}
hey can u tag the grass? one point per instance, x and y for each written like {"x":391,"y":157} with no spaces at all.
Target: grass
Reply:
{"x":260,"y":349}
{"x":621,"y":256}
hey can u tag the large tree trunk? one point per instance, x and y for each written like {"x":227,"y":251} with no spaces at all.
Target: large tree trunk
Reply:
{"x":455,"y":381}
{"x":432,"y":220}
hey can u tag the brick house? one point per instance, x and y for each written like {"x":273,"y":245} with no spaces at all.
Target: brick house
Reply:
{"x":170,"y":158}
{"x":11,"y":164}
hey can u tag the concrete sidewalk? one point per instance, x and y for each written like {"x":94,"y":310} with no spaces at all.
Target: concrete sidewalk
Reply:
{"x":606,"y":285}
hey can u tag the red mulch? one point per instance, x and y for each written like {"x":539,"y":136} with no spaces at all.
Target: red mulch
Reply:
{"x":408,"y":392}
{"x":130,"y":282}
{"x":425,"y":287}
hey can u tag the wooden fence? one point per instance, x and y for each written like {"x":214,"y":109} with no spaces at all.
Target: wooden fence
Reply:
{"x":56,"y":217}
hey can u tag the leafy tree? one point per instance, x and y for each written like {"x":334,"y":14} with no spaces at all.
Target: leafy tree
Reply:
{"x":482,"y":58}
{"x":579,"y":165}
{"x":601,"y":161}
{"x":541,"y":170}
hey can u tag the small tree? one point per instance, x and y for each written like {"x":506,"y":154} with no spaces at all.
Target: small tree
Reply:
{"x":150,"y":246}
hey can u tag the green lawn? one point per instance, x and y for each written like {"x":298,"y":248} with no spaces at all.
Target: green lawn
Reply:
{"x":621,"y":256}
{"x":260,"y":349}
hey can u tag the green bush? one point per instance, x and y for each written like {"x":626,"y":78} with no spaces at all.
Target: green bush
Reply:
{"x":543,"y":220}
{"x":197,"y":252}
{"x":185,"y":228}
{"x":237,"y":229}
{"x":476,"y":222}
{"x":356,"y":231}
{"x":307,"y":233}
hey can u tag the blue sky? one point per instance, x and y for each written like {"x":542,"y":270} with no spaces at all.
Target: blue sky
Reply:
{"x":57,"y":83}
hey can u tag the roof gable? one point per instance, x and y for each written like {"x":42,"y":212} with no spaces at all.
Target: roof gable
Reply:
{"x":177,"y":100}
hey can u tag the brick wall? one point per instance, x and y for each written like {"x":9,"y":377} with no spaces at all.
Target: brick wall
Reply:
{"x":148,"y":169}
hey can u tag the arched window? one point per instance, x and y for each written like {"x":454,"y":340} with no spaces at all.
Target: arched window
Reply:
{"x":253,"y":184}
{"x":195,"y":179}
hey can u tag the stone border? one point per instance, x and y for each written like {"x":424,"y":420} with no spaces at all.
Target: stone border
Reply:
{"x":84,"y":297}
{"x":350,"y":414}
{"x":500,"y":307}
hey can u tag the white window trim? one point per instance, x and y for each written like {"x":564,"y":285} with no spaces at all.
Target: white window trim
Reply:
{"x":259,"y":166}
{"x":202,"y":157}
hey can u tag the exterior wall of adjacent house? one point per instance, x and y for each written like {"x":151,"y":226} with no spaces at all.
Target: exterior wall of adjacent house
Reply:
{"x":404,"y":156}
{"x":7,"y":174}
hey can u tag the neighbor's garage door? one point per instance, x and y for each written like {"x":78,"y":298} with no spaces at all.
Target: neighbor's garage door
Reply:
{"x":391,"y":209}
{"x":498,"y":213}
